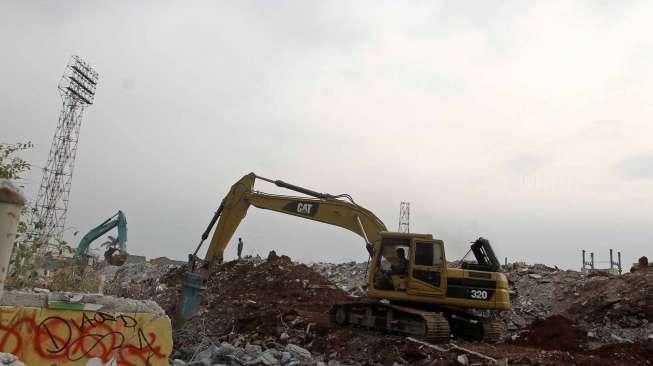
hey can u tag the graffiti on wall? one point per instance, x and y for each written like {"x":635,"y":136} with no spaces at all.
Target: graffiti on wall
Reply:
{"x":68,"y":337}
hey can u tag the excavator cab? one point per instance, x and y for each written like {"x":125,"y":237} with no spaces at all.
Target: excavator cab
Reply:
{"x":393,"y":264}
{"x":421,"y":271}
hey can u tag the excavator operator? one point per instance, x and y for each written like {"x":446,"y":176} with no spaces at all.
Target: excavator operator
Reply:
{"x":401,"y":266}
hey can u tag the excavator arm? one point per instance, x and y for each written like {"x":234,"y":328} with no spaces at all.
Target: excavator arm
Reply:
{"x":338,"y":210}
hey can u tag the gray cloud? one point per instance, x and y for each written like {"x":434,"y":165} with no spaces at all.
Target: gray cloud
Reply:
{"x":439,"y":103}
{"x":525,"y":164}
{"x":636,"y":167}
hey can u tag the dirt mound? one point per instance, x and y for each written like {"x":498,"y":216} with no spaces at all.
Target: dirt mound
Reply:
{"x":553,"y":333}
{"x":277,"y":300}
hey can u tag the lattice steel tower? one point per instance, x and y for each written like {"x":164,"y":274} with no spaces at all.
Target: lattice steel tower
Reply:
{"x":77,"y":90}
{"x":404,"y":217}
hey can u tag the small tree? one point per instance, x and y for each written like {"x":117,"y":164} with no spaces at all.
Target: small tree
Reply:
{"x":24,"y":262}
{"x":12,"y":167}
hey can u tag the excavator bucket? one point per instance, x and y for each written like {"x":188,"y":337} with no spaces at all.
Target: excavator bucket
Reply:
{"x":116,"y":257}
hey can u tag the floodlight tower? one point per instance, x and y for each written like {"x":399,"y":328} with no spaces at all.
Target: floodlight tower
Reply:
{"x":404,"y":217}
{"x":77,"y":90}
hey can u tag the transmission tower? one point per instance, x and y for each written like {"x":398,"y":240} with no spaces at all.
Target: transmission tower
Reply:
{"x":77,"y":90}
{"x":404,"y":217}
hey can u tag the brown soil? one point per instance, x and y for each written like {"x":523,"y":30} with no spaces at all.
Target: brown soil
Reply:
{"x":620,"y":354}
{"x":553,"y":333}
{"x":264,"y":300}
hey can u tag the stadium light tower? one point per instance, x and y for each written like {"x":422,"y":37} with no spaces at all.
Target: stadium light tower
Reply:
{"x":77,"y":89}
{"x":404,"y":217}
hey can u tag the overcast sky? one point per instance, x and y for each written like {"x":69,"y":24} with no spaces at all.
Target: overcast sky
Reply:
{"x":528,"y":123}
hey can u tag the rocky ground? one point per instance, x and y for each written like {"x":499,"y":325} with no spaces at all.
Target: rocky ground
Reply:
{"x":276,"y":313}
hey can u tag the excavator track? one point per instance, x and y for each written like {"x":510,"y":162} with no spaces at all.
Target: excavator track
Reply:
{"x":493,"y":330}
{"x":430,"y":326}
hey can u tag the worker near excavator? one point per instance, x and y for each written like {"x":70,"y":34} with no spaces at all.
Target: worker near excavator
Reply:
{"x":240,"y":247}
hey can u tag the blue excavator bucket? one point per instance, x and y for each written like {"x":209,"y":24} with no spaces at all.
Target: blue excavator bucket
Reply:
{"x":189,"y":303}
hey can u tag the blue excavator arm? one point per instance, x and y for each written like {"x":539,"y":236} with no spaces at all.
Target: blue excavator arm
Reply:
{"x":118,"y":221}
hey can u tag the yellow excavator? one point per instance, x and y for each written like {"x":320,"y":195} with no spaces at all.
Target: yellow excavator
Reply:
{"x":410,"y":288}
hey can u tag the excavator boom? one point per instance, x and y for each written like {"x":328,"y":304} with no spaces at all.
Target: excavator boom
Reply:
{"x":326,"y":208}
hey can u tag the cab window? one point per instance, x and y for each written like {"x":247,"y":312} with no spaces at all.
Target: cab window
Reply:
{"x":390,"y":260}
{"x":428,"y":254}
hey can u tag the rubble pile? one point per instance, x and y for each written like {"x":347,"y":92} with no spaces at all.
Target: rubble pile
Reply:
{"x":350,"y":276}
{"x":532,"y":293}
{"x":366,"y":349}
{"x":276,"y":301}
{"x":616,"y":309}
{"x":142,"y":281}
{"x":612,"y":308}
{"x":249,"y":354}
{"x":276,"y":312}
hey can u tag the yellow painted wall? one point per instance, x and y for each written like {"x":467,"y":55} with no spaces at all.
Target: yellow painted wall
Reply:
{"x":40,"y":336}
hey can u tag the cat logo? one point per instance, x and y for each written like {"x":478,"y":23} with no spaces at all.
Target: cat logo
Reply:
{"x":302,"y":208}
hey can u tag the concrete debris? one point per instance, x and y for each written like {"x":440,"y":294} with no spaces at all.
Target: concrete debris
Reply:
{"x":301,"y":353}
{"x":107,"y":304}
{"x":250,"y":354}
{"x":10,"y":359}
{"x":350,"y":276}
{"x":133,"y":273}
{"x":605,"y":305}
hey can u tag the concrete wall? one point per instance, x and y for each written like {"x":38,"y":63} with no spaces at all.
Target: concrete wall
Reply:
{"x":41,"y":336}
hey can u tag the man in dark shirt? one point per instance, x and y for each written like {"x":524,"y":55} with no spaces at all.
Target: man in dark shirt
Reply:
{"x":240,"y":247}
{"x":401,"y":266}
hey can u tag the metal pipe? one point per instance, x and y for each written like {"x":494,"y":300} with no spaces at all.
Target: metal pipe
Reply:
{"x":292,"y":187}
{"x":206,"y":232}
{"x":368,"y":245}
{"x":11,"y":203}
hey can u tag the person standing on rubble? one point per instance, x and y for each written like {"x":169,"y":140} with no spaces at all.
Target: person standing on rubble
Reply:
{"x":240,"y":247}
